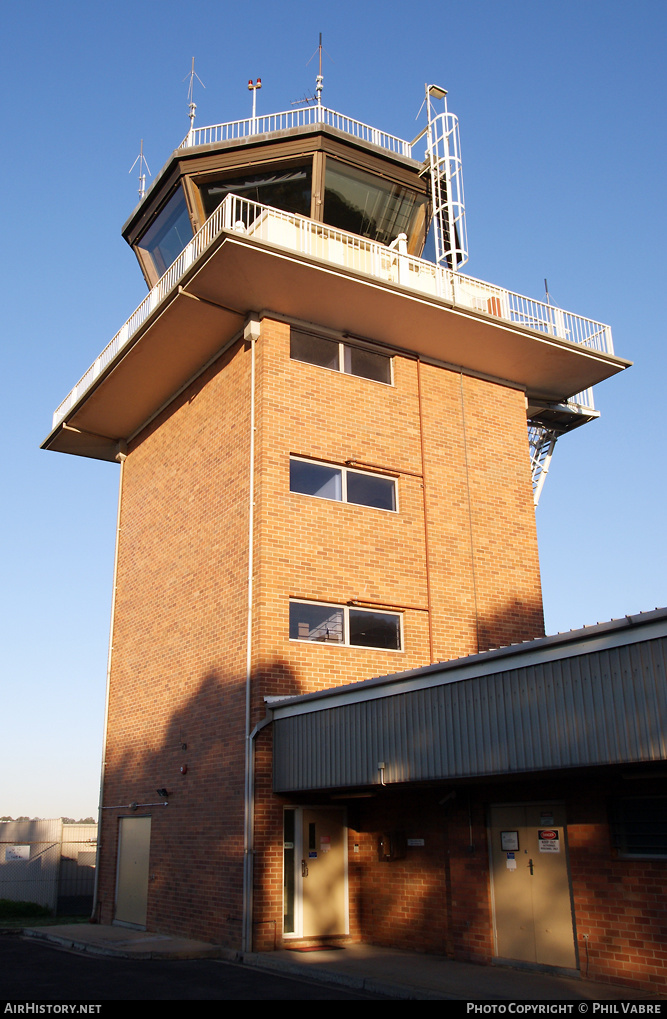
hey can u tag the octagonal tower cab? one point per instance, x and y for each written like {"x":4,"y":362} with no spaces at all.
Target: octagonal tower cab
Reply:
{"x":364,"y":186}
{"x":322,"y":220}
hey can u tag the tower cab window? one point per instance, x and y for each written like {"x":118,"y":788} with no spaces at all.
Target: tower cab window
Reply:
{"x":168,"y":234}
{"x":366,"y":204}
{"x":288,"y":189}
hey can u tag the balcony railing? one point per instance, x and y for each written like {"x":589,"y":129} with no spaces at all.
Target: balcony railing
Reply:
{"x":390,"y":263}
{"x":301,"y":117}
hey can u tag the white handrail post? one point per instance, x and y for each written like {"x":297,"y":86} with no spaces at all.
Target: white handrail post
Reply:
{"x":227,"y":219}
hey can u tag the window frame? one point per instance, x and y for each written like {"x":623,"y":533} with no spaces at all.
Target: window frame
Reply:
{"x":345,"y":470}
{"x":626,"y":830}
{"x":346,"y":609}
{"x":343,"y":346}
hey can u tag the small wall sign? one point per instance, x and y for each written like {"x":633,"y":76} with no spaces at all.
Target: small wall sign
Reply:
{"x":509,"y":841}
{"x":548,"y":840}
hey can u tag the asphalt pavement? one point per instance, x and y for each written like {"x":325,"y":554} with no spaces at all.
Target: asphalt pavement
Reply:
{"x":364,"y":970}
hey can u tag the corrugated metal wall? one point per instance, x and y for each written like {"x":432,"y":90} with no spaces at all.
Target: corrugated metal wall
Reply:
{"x":48,"y":862}
{"x":29,"y":861}
{"x":608,"y":706}
{"x":77,"y":868}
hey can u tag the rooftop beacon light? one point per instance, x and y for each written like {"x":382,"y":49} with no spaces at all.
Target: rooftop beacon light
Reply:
{"x":253,"y":86}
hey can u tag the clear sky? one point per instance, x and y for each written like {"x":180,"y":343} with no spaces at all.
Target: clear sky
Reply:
{"x":562,"y":116}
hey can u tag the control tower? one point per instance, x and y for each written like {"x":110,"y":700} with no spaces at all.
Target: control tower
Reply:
{"x":325,"y":476}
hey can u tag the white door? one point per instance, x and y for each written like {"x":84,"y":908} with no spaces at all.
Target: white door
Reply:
{"x":134,"y":839}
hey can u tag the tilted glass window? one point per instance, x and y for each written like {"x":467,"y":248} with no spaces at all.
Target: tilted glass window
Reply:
{"x":169,"y":233}
{"x":363,"y":203}
{"x":340,"y":357}
{"x":340,"y":624}
{"x":287,"y":189}
{"x":342,"y":484}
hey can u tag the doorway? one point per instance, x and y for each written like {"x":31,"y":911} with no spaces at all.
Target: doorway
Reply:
{"x":134,"y":839}
{"x":532,"y":900}
{"x":315,"y":872}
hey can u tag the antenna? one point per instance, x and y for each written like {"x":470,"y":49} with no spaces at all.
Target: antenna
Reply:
{"x":141,"y":160}
{"x":546,"y":290}
{"x":192,"y":106}
{"x":319,"y":81}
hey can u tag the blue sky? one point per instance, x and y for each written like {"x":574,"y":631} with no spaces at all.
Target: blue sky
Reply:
{"x":562,"y":117}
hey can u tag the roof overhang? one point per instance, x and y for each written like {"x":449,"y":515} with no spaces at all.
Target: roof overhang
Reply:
{"x":238,"y":275}
{"x":589,"y":698}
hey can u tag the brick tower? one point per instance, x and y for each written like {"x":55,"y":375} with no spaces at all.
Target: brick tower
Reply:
{"x":325,"y":476}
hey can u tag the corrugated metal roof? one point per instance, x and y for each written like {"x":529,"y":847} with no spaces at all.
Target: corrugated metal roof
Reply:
{"x":591,"y":697}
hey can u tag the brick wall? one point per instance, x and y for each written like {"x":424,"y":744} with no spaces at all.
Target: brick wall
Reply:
{"x":468,"y":451}
{"x":469,"y":442}
{"x":620,"y":904}
{"x":458,"y":446}
{"x":178,"y":659}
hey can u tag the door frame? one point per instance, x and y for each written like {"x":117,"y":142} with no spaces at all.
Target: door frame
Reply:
{"x":566,"y":847}
{"x":299,"y":809}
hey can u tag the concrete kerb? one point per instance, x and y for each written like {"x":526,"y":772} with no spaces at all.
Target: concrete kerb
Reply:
{"x":363,"y":967}
{"x":123,"y":943}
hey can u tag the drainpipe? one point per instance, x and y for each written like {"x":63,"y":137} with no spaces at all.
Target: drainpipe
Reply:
{"x":251,"y":335}
{"x":121,"y":457}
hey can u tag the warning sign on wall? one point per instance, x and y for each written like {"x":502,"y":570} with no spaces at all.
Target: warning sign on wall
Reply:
{"x":548,"y":840}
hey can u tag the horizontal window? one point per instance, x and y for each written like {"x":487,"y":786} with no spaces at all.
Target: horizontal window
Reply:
{"x":639,"y":826}
{"x":342,"y":484}
{"x":288,"y":188}
{"x":340,"y":357}
{"x":340,"y":624}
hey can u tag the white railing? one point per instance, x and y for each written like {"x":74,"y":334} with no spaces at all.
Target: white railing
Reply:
{"x":301,"y":117}
{"x":388,"y":263}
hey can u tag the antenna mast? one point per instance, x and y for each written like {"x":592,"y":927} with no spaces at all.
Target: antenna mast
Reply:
{"x":141,"y":160}
{"x":319,"y":81}
{"x":192,"y":106}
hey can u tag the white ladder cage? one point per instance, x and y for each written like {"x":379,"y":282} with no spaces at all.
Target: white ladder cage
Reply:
{"x":443,"y":151}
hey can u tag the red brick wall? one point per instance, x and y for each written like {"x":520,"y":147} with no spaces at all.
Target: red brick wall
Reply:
{"x":482,"y":547}
{"x":620,"y":903}
{"x":470,"y":441}
{"x":178,"y":666}
{"x":178,"y":659}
